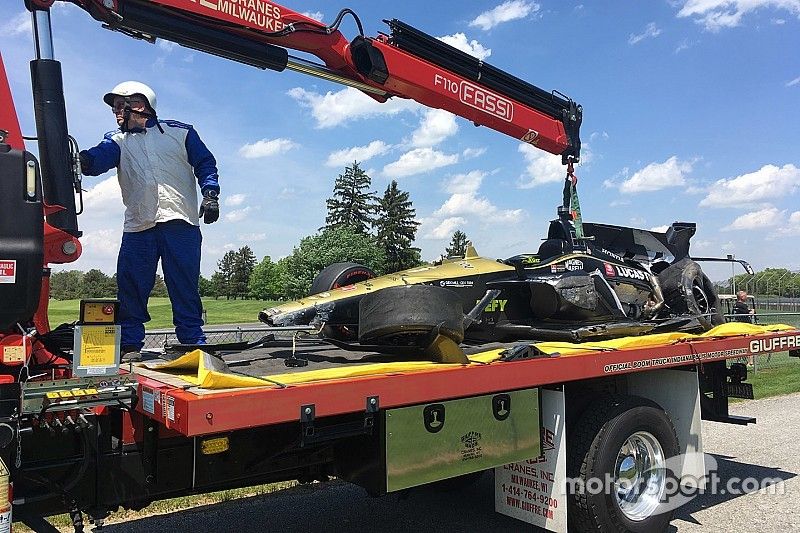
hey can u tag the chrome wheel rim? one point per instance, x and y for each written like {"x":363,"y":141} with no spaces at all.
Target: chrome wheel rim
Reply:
{"x":640,"y":476}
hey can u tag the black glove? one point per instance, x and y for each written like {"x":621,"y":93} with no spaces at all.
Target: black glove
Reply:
{"x":85,"y":159}
{"x":209,"y":209}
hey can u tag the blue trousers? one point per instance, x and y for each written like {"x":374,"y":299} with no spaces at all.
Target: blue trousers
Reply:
{"x":177,"y":244}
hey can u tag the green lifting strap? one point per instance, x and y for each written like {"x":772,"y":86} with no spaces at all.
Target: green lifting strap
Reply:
{"x":571,"y":201}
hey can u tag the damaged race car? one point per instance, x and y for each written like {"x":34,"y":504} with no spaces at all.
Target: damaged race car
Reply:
{"x":614,"y":281}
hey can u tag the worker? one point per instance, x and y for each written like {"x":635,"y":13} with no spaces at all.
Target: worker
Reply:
{"x":742,"y":311}
{"x":158,"y":163}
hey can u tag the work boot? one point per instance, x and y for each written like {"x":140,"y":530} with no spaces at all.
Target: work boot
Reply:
{"x":130,"y":354}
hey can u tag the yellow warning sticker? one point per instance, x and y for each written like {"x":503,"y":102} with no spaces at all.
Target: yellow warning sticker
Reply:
{"x":97,"y":346}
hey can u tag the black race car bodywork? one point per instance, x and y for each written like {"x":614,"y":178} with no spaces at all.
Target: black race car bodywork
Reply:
{"x":615,"y":281}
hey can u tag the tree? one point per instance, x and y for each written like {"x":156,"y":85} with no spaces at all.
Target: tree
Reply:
{"x":205,"y":286}
{"x":224,"y":274}
{"x":458,"y":244}
{"x":159,"y":288}
{"x":66,"y":285}
{"x":352,"y":204}
{"x":333,"y":245}
{"x":96,"y":284}
{"x":243,"y":265}
{"x":267,"y":281}
{"x":218,"y":285}
{"x":396,"y":228}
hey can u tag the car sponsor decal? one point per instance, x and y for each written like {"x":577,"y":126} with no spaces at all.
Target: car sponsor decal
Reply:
{"x":557,"y":268}
{"x":625,"y":366}
{"x":494,"y":305}
{"x":609,"y":270}
{"x":456,"y":283}
{"x":775,"y":344}
{"x":632,"y":273}
{"x":612,"y":254}
{"x":8,"y":270}
{"x":573,"y":264}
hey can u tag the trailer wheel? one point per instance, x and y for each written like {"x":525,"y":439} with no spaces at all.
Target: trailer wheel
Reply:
{"x":339,"y":275}
{"x":401,"y":315}
{"x":617,"y":455}
{"x":688,"y":290}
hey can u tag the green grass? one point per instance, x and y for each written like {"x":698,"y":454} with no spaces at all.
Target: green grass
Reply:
{"x":219,"y":311}
{"x":63,"y":522}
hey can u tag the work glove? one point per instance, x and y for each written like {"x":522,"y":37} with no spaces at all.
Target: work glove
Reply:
{"x":86,"y":161}
{"x":209,"y":208}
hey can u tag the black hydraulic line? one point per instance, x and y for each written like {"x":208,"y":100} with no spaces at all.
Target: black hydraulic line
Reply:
{"x":425,"y":46}
{"x":54,"y":148}
{"x":203,"y":38}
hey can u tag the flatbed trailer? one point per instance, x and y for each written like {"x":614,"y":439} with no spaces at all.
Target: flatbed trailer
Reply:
{"x":368,"y":421}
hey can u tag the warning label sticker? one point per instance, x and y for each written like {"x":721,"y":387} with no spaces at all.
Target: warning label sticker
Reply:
{"x":8,"y":270}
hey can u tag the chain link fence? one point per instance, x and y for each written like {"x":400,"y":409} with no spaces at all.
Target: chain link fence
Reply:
{"x":158,"y":339}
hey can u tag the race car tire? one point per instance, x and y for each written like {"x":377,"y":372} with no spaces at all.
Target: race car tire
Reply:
{"x":618,"y":455}
{"x":688,"y":290}
{"x":402,"y":315}
{"x":340,"y":275}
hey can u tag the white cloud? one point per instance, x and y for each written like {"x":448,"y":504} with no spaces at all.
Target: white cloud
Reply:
{"x":100,"y":249}
{"x":598,"y":135}
{"x":793,"y":82}
{"x":763,"y":218}
{"x":418,"y":161}
{"x":509,"y":10}
{"x":660,"y":229}
{"x":683,"y":45}
{"x":471,"y":153}
{"x":337,"y":108}
{"x":238,"y":214}
{"x":435,"y":126}
{"x":235,"y":199}
{"x":715,"y":15}
{"x":346,"y":156}
{"x":167,"y":46}
{"x":766,"y":183}
{"x":18,"y":24}
{"x":542,"y":167}
{"x":657,"y":176}
{"x":651,"y":31}
{"x":445,"y":228}
{"x":266,"y":148}
{"x":253,"y":237}
{"x":316,"y":15}
{"x":465,"y":183}
{"x":473,"y":47}
{"x":793,"y":227}
{"x":104,"y":198}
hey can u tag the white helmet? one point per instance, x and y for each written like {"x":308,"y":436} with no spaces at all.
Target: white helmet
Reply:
{"x":129,"y":88}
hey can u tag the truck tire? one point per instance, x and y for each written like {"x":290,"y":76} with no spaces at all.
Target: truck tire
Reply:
{"x":688,"y":290}
{"x":401,"y":315}
{"x":339,"y":275}
{"x":616,"y":438}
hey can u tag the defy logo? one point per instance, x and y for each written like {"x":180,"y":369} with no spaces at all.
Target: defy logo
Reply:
{"x":477,"y":97}
{"x":8,"y":271}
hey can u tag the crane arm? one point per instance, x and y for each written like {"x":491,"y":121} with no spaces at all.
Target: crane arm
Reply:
{"x":405,"y":63}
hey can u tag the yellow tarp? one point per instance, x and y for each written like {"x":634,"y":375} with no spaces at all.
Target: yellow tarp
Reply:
{"x":198,"y":367}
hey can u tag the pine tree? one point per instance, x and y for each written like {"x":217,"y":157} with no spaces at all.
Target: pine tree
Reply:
{"x":243,"y":264}
{"x":224,"y":275}
{"x":352,"y":204}
{"x":458,"y":245}
{"x":396,"y":229}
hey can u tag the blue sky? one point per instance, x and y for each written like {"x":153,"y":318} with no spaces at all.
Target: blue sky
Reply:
{"x":691,"y":113}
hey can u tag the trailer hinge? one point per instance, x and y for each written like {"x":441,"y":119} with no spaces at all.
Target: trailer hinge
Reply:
{"x":314,"y":432}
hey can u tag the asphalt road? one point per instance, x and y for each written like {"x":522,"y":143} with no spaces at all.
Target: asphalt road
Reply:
{"x":768,"y":449}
